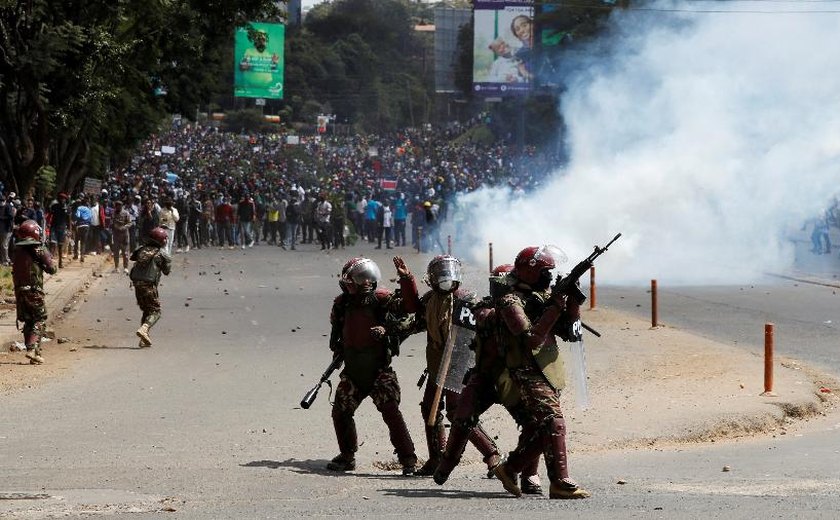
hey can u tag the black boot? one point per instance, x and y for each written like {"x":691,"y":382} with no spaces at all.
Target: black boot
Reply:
{"x":342,"y":462}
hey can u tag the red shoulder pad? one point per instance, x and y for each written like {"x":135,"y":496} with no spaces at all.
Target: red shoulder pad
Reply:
{"x":382,"y":295}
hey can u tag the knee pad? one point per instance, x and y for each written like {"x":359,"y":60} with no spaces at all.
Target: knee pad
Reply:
{"x":556,"y":426}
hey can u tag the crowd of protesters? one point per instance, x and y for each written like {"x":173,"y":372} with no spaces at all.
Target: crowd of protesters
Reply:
{"x":216,"y":189}
{"x":230,"y":190}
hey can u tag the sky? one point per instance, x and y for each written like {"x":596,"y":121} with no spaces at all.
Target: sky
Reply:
{"x":705,"y":138}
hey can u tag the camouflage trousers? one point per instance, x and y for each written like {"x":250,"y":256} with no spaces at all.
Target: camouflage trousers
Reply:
{"x":539,"y":400}
{"x":543,"y":425}
{"x":385,"y":394}
{"x":147,"y":298}
{"x":32,"y":311}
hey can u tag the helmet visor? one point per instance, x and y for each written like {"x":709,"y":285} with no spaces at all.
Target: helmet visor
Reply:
{"x":444,"y":273}
{"x":550,"y":254}
{"x":364,"y":271}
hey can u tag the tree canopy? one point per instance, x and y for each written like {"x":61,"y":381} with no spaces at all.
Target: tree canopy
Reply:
{"x":82,"y":82}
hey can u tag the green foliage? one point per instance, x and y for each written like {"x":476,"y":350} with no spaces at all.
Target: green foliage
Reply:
{"x":45,"y":181}
{"x":7,"y":285}
{"x":480,"y":134}
{"x":249,"y":121}
{"x":360,"y":60}
{"x":81,"y":83}
{"x":79,"y":79}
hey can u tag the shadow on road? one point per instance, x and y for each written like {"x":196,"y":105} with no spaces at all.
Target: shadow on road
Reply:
{"x":438,"y":492}
{"x":319,"y":467}
{"x":106,"y":347}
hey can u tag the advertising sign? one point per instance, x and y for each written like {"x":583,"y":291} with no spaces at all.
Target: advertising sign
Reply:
{"x":258,"y":60}
{"x":92,"y":186}
{"x":503,"y":47}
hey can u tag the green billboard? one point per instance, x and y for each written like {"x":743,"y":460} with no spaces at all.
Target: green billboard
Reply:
{"x":258,"y":56}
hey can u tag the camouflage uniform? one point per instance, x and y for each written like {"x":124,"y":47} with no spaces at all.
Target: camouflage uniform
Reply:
{"x":488,"y":383}
{"x":29,"y":262}
{"x":366,"y":373}
{"x":436,"y":308}
{"x":529,"y":321}
{"x":149,"y":262}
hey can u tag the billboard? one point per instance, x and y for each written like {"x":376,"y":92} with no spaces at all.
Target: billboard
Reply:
{"x":503,"y":47}
{"x":258,"y":60}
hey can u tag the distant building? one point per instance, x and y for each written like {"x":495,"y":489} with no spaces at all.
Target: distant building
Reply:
{"x":294,"y":13}
{"x":448,"y":23}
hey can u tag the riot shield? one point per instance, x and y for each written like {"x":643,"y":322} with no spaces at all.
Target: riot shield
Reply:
{"x":577,"y":367}
{"x":457,"y":357}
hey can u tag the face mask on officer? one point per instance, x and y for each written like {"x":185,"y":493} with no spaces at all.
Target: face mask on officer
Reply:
{"x":444,"y":273}
{"x":544,"y":280}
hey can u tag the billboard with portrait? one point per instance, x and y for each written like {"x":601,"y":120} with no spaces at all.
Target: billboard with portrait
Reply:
{"x":258,"y":60}
{"x":503,"y":47}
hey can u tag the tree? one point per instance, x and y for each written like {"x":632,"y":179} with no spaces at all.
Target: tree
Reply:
{"x":363,"y":60}
{"x":83,"y":81}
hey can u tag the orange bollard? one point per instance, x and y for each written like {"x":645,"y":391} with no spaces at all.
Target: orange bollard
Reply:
{"x":449,"y":245}
{"x":592,"y":287}
{"x":768,"y":360}
{"x":654,"y":311}
{"x":490,"y":246}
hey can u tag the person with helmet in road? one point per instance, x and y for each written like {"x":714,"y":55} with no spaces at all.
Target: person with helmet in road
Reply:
{"x":29,"y":261}
{"x":358,"y":320}
{"x":487,"y":383}
{"x":150,"y":260}
{"x":435,"y":317}
{"x":529,"y":318}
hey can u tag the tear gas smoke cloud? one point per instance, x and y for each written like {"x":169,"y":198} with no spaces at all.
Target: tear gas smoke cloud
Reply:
{"x":705,"y":138}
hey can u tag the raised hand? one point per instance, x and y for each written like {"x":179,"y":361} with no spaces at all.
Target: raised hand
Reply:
{"x":402,"y":269}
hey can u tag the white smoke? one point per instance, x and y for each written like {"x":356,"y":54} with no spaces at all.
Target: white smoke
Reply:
{"x":704,"y":138}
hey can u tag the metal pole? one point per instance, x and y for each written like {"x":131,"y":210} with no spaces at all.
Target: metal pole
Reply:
{"x":768,"y":360}
{"x":491,"y":256}
{"x":592,"y":296}
{"x":449,"y":245}
{"x":419,"y":239}
{"x":654,"y":311}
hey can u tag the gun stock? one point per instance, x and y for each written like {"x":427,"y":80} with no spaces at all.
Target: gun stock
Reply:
{"x":312,"y":394}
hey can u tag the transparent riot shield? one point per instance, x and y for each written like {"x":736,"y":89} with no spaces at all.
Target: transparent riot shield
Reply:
{"x":461,"y":358}
{"x":577,"y":367}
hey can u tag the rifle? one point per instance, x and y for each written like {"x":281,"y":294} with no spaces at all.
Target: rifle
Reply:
{"x":310,"y":396}
{"x":568,"y":285}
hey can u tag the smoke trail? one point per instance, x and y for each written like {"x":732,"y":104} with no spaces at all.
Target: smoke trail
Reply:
{"x":703,"y":137}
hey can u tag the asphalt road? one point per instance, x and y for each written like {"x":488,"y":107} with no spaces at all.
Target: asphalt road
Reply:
{"x":206,"y":423}
{"x":806,"y":316}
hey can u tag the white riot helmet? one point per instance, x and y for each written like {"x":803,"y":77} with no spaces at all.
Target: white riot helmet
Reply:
{"x":444,"y":273}
{"x":360,"y":275}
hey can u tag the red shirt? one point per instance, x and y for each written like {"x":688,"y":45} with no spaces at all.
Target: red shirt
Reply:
{"x":224,"y":213}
